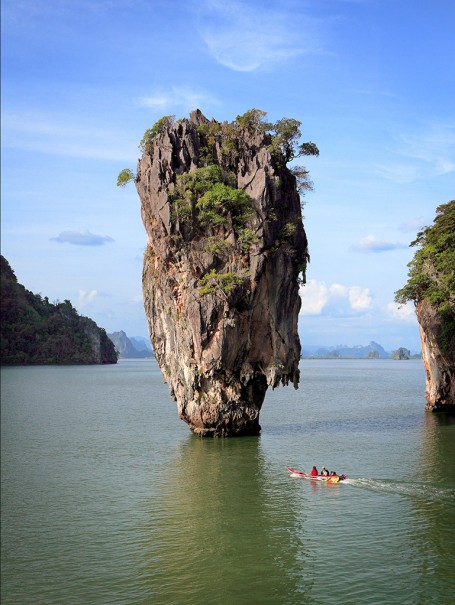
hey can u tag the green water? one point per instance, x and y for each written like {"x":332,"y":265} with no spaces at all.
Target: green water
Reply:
{"x":107,"y":498}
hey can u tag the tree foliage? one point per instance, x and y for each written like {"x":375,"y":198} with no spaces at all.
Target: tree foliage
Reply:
{"x":285,"y":134}
{"x":431,"y":275}
{"x":207,"y":197}
{"x":124,"y":177}
{"x":284,"y":142}
{"x":213,"y":282}
{"x":432,"y":270}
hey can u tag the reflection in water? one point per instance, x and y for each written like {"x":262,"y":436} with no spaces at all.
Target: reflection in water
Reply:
{"x":107,"y":499}
{"x":434,"y":536}
{"x":219,"y":515}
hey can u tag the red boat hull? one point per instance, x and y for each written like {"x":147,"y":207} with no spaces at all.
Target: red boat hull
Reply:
{"x":325,"y":478}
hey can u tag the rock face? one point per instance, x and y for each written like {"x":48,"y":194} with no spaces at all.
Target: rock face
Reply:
{"x":221,"y":270}
{"x":439,"y":364}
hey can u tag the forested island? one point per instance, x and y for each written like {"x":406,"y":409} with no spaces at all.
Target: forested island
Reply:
{"x":35,"y":331}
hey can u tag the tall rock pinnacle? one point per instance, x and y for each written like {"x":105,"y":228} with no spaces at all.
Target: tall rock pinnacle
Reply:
{"x":431,"y":286}
{"x":225,"y":256}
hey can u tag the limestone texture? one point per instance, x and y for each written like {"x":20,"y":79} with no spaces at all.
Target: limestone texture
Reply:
{"x":439,"y":363}
{"x":221,"y":296}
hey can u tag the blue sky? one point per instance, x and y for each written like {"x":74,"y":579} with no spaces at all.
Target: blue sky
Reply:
{"x":372,"y":82}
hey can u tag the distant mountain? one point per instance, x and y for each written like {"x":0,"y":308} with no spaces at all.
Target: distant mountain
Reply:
{"x":130,"y":348}
{"x":35,"y":331}
{"x":372,"y":350}
{"x":141,"y":344}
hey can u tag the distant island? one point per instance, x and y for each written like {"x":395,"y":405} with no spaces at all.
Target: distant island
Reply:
{"x":371,"y":351}
{"x":131,"y":347}
{"x":37,"y":332}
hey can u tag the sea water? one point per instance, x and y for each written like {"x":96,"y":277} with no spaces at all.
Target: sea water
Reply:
{"x":107,"y":498}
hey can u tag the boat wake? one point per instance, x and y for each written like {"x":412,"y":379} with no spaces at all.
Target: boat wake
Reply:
{"x":410,"y":489}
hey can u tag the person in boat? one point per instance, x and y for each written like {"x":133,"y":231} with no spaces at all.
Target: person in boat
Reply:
{"x":333,"y":474}
{"x":324,"y":471}
{"x":314,"y":472}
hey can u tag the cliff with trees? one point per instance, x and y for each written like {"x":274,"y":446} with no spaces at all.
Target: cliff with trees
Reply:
{"x":35,"y":331}
{"x":226,"y":255}
{"x":431,"y":286}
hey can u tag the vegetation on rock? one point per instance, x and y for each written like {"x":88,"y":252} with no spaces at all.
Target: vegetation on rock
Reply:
{"x":35,"y":331}
{"x":125,"y":176}
{"x":284,"y":146}
{"x":431,"y":274}
{"x":156,"y":129}
{"x":213,"y":282}
{"x":226,"y":249}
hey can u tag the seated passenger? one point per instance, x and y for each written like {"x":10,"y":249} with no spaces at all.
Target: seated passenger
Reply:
{"x":333,"y":474}
{"x":314,"y":472}
{"x":324,"y":471}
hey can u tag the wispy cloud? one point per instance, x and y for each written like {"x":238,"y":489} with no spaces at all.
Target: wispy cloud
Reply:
{"x":180,"y":97}
{"x":414,"y":225}
{"x":82,"y":238}
{"x":244,"y":37}
{"x":430,"y":152}
{"x":61,"y":135}
{"x":435,"y":146}
{"x":398,"y":172}
{"x":90,"y":297}
{"x":370,"y":243}
{"x":336,"y":299}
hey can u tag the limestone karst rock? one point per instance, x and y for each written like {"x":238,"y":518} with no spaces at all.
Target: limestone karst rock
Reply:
{"x":431,"y":286}
{"x":439,"y":362}
{"x":225,"y":256}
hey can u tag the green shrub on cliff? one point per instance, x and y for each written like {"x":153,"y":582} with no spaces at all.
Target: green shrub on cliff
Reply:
{"x":221,"y":200}
{"x":431,"y":274}
{"x":160,"y":126}
{"x":213,"y":282}
{"x":207,"y":197}
{"x":125,"y":176}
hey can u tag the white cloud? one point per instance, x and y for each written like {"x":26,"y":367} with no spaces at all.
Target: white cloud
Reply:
{"x":359,"y":298}
{"x":370,"y":243}
{"x":315,"y":296}
{"x":338,"y":290}
{"x":86,"y":298}
{"x":244,"y":38}
{"x":180,"y":97}
{"x":402,"y":312}
{"x":338,"y":299}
